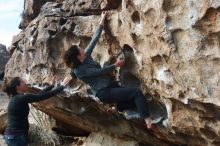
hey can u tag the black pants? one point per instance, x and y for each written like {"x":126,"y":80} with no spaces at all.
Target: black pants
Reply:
{"x":16,"y":140}
{"x":125,"y":98}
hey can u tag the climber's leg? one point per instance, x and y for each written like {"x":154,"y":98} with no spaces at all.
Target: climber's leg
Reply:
{"x":127,"y":94}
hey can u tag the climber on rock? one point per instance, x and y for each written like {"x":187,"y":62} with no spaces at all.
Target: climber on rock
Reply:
{"x":108,"y":91}
{"x":16,"y":133}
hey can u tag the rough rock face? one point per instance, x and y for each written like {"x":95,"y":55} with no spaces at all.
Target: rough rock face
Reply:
{"x":175,"y":56}
{"x":4,"y":57}
{"x":31,"y":10}
{"x":3,"y":107}
{"x":103,"y":139}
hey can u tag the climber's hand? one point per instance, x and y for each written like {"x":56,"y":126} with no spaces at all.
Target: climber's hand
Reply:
{"x":119,"y":63}
{"x":54,"y":80}
{"x":65,"y":81}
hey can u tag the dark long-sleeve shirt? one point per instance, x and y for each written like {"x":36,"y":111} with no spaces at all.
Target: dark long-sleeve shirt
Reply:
{"x":18,"y":109}
{"x":90,"y":71}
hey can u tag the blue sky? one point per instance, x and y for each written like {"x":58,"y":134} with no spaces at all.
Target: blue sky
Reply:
{"x":10,"y":11}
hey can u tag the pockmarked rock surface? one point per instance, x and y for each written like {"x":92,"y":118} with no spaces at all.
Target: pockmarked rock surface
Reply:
{"x":175,"y":60}
{"x":4,"y":57}
{"x":3,"y":108}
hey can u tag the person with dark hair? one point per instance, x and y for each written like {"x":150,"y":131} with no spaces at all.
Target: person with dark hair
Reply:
{"x":107,"y":90}
{"x":16,"y":133}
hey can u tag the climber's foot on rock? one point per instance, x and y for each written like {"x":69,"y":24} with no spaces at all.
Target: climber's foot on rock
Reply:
{"x":157,"y":120}
{"x":149,"y":122}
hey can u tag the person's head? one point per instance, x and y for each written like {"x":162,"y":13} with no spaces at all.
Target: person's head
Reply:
{"x":15,"y":86}
{"x":74,"y":56}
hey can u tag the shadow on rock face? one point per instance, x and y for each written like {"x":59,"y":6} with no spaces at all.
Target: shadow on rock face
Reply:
{"x":157,"y":109}
{"x":128,"y":79}
{"x":126,"y":72}
{"x":2,"y":74}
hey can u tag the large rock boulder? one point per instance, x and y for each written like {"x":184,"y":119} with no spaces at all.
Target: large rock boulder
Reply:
{"x":175,"y":57}
{"x":4,"y":57}
{"x":3,"y":108}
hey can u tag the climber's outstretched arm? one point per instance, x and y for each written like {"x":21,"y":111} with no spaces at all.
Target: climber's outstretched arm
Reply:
{"x":96,"y":36}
